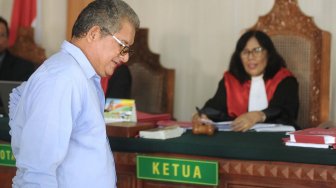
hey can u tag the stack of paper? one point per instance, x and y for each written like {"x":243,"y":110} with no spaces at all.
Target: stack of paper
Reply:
{"x":162,"y":132}
{"x":312,"y":137}
{"x":265,"y":127}
{"x":259,"y":127}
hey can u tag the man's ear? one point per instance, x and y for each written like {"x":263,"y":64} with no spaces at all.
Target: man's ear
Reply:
{"x":93,"y":34}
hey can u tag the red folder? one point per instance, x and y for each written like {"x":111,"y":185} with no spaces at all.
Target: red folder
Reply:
{"x":287,"y":142}
{"x":153,"y":118}
{"x":184,"y":124}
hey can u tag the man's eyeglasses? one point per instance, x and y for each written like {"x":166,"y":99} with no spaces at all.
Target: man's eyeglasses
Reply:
{"x":125,"y":49}
{"x":256,"y":52}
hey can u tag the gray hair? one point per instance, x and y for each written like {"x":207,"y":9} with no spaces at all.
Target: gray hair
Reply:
{"x":107,"y":14}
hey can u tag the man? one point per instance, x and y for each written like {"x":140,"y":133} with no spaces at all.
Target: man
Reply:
{"x":57,"y":125}
{"x":12,"y":67}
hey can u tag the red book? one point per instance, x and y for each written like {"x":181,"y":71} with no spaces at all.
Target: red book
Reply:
{"x":314,"y":135}
{"x":153,"y":118}
{"x":184,"y":124}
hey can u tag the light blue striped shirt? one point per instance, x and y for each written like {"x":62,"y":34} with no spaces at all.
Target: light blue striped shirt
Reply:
{"x":57,"y":126}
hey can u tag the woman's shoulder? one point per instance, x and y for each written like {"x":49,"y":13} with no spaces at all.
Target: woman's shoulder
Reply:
{"x":289,"y":81}
{"x":282,"y":74}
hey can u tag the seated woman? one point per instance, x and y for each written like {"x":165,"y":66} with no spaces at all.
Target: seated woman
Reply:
{"x":257,"y":88}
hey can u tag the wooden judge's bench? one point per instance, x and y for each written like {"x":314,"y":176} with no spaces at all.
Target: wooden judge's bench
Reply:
{"x":248,"y":159}
{"x":230,"y":159}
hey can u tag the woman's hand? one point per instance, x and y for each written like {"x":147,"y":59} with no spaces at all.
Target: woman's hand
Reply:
{"x":202,"y":118}
{"x":202,"y":124}
{"x":245,"y":121}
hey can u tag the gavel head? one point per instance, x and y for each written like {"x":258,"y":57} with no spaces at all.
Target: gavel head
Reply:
{"x":202,"y":127}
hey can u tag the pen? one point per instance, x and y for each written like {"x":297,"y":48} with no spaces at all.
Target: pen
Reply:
{"x":202,"y":119}
{"x":198,"y":111}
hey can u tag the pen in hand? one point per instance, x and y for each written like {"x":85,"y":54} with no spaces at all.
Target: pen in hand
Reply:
{"x":199,"y":112}
{"x":201,"y":116}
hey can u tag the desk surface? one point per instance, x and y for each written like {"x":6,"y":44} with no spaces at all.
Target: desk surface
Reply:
{"x":231,"y":145}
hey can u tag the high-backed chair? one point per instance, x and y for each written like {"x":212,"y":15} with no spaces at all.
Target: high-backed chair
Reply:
{"x":306,"y":49}
{"x":152,"y":84}
{"x":26,"y":48}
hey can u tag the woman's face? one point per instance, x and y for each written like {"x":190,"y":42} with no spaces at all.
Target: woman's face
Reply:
{"x":254,"y":58}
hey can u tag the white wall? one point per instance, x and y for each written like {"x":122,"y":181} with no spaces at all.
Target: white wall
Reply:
{"x":195,"y":37}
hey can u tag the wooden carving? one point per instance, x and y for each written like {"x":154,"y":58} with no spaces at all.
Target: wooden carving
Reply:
{"x":26,"y":48}
{"x":152,"y":84}
{"x":286,"y":19}
{"x":236,"y":173}
{"x":143,"y":54}
{"x":279,"y":170}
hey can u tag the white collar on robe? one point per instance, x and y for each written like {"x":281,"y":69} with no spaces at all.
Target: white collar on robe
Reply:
{"x":258,"y":97}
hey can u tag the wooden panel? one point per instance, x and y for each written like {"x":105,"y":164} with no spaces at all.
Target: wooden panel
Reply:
{"x":240,"y":173}
{"x":232,"y":173}
{"x":152,"y":84}
{"x":127,"y":129}
{"x":74,"y":8}
{"x":6,"y":176}
{"x":26,"y":48}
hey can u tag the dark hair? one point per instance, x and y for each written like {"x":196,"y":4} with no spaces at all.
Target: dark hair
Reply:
{"x":274,"y":59}
{"x":107,"y":14}
{"x":3,"y":21}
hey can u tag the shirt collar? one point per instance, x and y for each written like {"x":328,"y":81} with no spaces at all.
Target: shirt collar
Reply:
{"x":260,"y":77}
{"x":81,"y":59}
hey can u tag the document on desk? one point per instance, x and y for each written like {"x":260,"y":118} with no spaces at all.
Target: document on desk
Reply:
{"x":259,"y":127}
{"x":223,"y":125}
{"x":266,"y":127}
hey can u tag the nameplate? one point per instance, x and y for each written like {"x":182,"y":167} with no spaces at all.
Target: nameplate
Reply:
{"x":177,"y":170}
{"x":6,"y":155}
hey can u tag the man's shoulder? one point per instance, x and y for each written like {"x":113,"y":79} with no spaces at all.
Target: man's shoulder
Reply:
{"x":60,"y":66}
{"x":61,"y":62}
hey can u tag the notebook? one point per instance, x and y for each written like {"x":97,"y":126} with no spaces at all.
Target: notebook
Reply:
{"x":6,"y":88}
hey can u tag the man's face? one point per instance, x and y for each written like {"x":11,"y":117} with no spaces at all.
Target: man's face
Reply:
{"x":3,"y":38}
{"x":106,"y":56}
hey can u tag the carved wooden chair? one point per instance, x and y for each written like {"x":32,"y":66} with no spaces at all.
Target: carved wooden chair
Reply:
{"x":306,"y":49}
{"x":26,"y":48}
{"x":152,"y":84}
